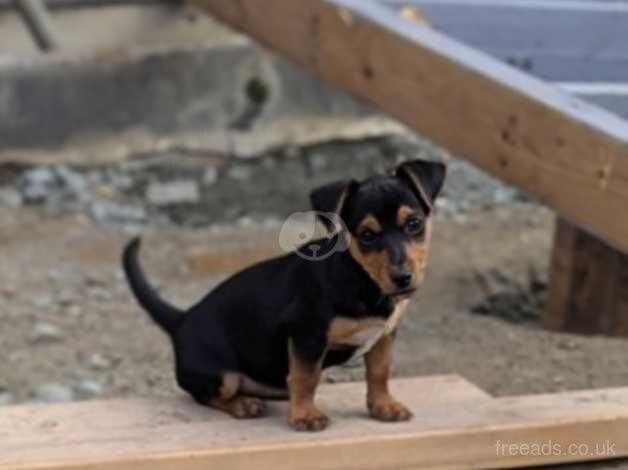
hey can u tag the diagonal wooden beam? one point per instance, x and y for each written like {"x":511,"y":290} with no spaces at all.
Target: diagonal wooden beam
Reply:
{"x":571,"y":155}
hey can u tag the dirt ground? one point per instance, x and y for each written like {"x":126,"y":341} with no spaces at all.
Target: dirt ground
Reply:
{"x":72,"y":331}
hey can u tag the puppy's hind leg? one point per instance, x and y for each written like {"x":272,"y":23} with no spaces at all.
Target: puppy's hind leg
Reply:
{"x":231,"y":402}
{"x":221,"y":391}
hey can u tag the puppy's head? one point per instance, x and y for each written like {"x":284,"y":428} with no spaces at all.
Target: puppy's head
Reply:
{"x":388,"y":221}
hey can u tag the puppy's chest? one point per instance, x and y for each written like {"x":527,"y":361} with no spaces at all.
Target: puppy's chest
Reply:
{"x":363,"y":333}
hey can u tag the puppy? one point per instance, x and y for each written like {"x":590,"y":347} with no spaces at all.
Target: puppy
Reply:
{"x":269,"y":330}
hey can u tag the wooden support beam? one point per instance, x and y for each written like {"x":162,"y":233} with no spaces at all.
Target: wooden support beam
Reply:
{"x":456,"y":425}
{"x":588,"y":285}
{"x":571,"y":155}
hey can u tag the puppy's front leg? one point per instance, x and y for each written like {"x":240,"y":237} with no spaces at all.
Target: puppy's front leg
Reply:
{"x":380,"y":403}
{"x":306,"y":362}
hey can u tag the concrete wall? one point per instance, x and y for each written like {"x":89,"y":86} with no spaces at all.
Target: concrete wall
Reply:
{"x":47,"y":103}
{"x":185,"y":88}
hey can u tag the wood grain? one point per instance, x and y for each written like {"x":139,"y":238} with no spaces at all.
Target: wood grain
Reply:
{"x":455,"y":426}
{"x":587,"y":285}
{"x":571,"y":155}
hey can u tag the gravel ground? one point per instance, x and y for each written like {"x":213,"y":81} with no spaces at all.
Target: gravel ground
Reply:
{"x":72,"y":330}
{"x":199,"y":190}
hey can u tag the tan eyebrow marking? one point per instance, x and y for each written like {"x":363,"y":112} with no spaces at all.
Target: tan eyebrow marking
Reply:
{"x":370,"y":223}
{"x":403,"y":214}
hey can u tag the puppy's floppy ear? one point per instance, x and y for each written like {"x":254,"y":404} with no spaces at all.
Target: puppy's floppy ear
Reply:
{"x":331,"y":199}
{"x":426,"y":179}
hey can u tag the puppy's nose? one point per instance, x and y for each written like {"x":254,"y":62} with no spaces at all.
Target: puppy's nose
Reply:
{"x":402,"y":279}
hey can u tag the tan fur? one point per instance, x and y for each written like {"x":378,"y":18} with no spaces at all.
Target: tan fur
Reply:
{"x":417,"y":254}
{"x":375,"y":263}
{"x":230,"y":385}
{"x":393,"y":321}
{"x":404,"y":213}
{"x":302,"y":383}
{"x":363,"y":333}
{"x":343,"y":330}
{"x":370,"y":223}
{"x":380,"y":403}
{"x":239,"y":407}
{"x":341,"y":201}
{"x":418,"y":186}
{"x":230,"y":402}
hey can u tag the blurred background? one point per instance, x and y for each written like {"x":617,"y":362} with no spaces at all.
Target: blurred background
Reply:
{"x":120,"y":118}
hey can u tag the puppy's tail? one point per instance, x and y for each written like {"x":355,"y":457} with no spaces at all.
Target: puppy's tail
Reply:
{"x":164,"y":314}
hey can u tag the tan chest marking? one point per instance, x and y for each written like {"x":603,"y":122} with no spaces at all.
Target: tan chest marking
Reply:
{"x":363,"y":333}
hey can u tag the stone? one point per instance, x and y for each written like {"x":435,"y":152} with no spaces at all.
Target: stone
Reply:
{"x":318,"y":162}
{"x":99,"y":362}
{"x":36,"y":184}
{"x":445,"y":207}
{"x":240,"y":173}
{"x":245,"y":222}
{"x":460,"y":219}
{"x":73,"y":181}
{"x":94,"y":280}
{"x":504,"y":195}
{"x":87,"y":388}
{"x":173,"y":192}
{"x":210,"y":176}
{"x":567,"y":344}
{"x":100,"y":294}
{"x":53,"y":393}
{"x":122,"y":182}
{"x":5,"y":398}
{"x":42,"y":301}
{"x":271,"y":222}
{"x":74,"y":310}
{"x":10,"y":198}
{"x":104,"y":191}
{"x":55,"y":274}
{"x":45,"y":333}
{"x":66,"y":298}
{"x":106,"y":212}
{"x":17,"y":356}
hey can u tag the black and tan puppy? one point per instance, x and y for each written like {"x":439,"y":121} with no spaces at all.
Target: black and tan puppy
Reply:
{"x":268,"y":331}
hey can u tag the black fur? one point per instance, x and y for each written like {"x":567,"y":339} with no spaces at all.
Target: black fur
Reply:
{"x":164,"y":314}
{"x":429,"y":175}
{"x":329,"y":199}
{"x":244,"y":324}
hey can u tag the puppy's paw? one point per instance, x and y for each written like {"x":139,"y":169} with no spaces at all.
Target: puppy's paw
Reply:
{"x":388,"y":409}
{"x":247,"y":407}
{"x":308,"y":419}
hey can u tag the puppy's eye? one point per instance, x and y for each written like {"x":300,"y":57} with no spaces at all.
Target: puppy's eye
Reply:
{"x":367,"y":237}
{"x":414,"y":227}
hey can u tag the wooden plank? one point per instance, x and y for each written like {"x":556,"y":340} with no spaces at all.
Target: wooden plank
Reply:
{"x":571,"y":155}
{"x":587,"y":285}
{"x":455,"y":426}
{"x":28,"y":422}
